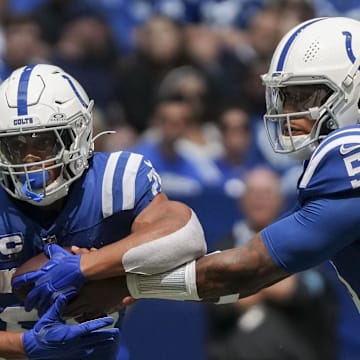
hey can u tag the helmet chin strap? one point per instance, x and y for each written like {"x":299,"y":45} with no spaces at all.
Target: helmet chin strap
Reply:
{"x":352,"y":73}
{"x":36,"y":181}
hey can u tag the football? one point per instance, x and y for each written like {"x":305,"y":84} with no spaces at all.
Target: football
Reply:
{"x":95,"y":299}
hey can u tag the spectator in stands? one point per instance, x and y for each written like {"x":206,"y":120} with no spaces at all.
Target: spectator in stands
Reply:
{"x":181,"y":173}
{"x":202,"y":136}
{"x":24,"y":44}
{"x":260,"y":37}
{"x":292,"y":12}
{"x":54,"y":15}
{"x":208,"y":55}
{"x":158,"y":49}
{"x":227,"y":13}
{"x":234,"y":125}
{"x":86,"y":49}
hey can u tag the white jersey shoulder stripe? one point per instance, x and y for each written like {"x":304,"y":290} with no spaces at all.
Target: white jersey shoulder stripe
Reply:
{"x":346,"y":131}
{"x":107,"y":185}
{"x":323,"y":150}
{"x":128,"y":182}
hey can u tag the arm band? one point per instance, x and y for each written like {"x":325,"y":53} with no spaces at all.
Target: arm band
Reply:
{"x":177,"y":284}
{"x":227,"y":299}
{"x":167,"y":252}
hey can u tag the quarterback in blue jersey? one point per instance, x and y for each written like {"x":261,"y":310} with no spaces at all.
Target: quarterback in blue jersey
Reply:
{"x":55,"y":192}
{"x":313,"y":113}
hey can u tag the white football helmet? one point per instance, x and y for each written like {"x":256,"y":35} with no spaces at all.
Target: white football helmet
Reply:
{"x":47,"y":110}
{"x":315,"y":70}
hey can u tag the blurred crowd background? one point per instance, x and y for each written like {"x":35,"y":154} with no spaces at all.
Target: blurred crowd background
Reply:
{"x":179,"y":81}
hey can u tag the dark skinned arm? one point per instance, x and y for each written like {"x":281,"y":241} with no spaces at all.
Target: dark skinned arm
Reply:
{"x":11,"y":346}
{"x":161,"y":217}
{"x":244,"y":270}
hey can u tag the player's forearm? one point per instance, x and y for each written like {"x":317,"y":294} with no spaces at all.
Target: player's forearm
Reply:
{"x":239,"y":271}
{"x":173,"y":239}
{"x":11,"y":346}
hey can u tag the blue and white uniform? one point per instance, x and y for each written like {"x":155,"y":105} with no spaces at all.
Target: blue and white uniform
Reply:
{"x":326,"y":225}
{"x":99,"y":210}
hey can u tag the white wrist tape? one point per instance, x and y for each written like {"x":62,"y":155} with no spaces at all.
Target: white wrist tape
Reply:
{"x":227,"y":299}
{"x":177,"y":284}
{"x":167,"y":252}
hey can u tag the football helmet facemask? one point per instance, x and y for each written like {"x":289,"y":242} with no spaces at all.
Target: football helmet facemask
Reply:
{"x":314,"y":75}
{"x":45,"y":133}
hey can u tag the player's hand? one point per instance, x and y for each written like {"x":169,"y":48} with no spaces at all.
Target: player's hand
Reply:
{"x":89,"y":305}
{"x":51,"y":338}
{"x":128,"y":300}
{"x":79,"y":251}
{"x":75,"y":306}
{"x":86,"y":307}
{"x":60,"y":275}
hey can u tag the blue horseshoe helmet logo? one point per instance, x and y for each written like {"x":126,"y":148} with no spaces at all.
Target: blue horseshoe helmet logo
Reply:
{"x":348,"y":46}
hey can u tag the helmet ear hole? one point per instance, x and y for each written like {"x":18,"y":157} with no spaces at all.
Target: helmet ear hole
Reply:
{"x":327,"y":127}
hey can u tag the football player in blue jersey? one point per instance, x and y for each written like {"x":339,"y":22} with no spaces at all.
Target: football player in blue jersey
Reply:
{"x":56,"y":190}
{"x":313,"y":113}
{"x":313,"y":101}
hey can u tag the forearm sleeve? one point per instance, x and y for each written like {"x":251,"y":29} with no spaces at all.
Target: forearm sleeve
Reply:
{"x":167,"y":252}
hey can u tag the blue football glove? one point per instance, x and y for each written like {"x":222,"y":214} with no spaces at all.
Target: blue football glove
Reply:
{"x":60,"y":275}
{"x":51,"y":338}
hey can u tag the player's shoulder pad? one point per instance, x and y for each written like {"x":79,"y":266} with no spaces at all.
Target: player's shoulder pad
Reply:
{"x":129,"y":182}
{"x":335,"y":165}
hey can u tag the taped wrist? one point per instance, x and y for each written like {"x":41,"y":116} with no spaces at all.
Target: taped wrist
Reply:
{"x":227,"y":299}
{"x":177,"y":284}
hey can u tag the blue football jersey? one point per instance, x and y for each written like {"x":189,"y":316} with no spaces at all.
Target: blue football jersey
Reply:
{"x":99,"y":210}
{"x":326,"y":225}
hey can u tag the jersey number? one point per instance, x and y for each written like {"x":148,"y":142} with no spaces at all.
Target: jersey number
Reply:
{"x":352,"y":164}
{"x":153,"y":177}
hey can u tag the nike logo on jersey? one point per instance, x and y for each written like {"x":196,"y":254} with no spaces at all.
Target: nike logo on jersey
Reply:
{"x":348,"y":149}
{"x":148,"y":163}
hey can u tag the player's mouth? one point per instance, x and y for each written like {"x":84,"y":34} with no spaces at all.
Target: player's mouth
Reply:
{"x":294,"y":131}
{"x":298,"y":131}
